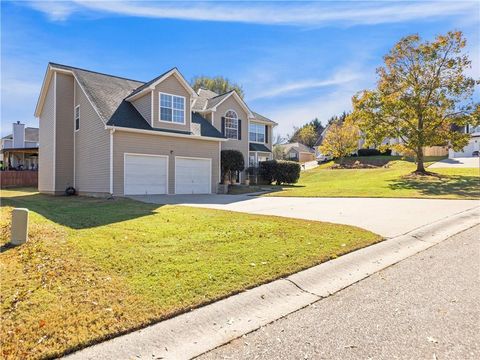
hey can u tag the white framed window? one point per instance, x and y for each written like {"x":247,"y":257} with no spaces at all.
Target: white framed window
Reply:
{"x":77,"y":117}
{"x":256,"y":132}
{"x":172,"y":108}
{"x":231,"y":125}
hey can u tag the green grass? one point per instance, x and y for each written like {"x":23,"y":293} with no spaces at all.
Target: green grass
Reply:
{"x":392,"y":181}
{"x":96,"y":268}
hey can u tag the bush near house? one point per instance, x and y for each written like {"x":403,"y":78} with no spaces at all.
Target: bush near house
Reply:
{"x":231,"y":161}
{"x":279,"y":171}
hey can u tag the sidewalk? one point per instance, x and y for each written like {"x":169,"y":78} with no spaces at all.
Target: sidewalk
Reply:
{"x":206,"y":328}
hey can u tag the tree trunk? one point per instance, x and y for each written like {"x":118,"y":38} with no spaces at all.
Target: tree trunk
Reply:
{"x":420,"y":160}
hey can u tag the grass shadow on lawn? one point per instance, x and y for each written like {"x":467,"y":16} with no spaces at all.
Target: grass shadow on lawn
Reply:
{"x":464,"y":186}
{"x":81,"y":212}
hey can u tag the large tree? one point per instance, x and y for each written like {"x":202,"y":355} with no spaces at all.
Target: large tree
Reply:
{"x":341,"y":140}
{"x":422,"y":94}
{"x":218,"y":84}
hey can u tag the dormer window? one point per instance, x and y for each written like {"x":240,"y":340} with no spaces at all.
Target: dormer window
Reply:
{"x":172,"y":108}
{"x":231,"y":125}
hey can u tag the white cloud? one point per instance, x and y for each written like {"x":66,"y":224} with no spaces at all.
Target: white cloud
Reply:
{"x":298,"y":86}
{"x":54,"y":9}
{"x":298,"y":13}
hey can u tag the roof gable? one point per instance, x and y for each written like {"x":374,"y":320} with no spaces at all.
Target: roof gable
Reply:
{"x":150,"y":85}
{"x":213,"y":103}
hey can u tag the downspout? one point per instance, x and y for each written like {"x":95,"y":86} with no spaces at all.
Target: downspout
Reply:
{"x":111,"y":160}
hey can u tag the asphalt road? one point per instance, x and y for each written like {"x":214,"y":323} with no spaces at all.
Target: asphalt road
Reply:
{"x":425,"y":307}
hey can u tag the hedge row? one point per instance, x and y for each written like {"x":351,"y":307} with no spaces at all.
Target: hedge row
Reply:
{"x":373,"y":152}
{"x":279,"y":171}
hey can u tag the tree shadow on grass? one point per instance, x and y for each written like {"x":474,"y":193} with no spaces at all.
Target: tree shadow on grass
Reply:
{"x":457,"y":185}
{"x":79,"y":212}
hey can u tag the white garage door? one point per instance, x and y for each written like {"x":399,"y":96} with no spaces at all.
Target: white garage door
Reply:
{"x":145,"y":174}
{"x":192,"y":175}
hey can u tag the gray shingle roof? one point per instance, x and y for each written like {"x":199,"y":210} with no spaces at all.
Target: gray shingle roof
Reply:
{"x":205,"y":93}
{"x":207,"y":99}
{"x":212,"y":102}
{"x":297,"y":146}
{"x":258,"y":147}
{"x":107,"y":93}
{"x":199,"y":104}
{"x":257,"y":116}
{"x":147,"y":84}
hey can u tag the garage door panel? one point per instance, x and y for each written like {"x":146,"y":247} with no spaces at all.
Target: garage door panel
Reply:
{"x":145,"y":174}
{"x":192,"y":176}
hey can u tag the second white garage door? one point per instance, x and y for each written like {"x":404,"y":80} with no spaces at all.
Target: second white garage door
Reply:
{"x":193,"y":175}
{"x":145,"y":174}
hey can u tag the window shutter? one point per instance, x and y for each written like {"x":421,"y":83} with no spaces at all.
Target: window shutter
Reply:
{"x":239,"y":129}
{"x":223,"y":126}
{"x":266,"y":134}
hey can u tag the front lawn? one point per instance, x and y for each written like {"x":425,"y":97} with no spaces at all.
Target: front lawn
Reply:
{"x":96,"y":268}
{"x":391,"y":181}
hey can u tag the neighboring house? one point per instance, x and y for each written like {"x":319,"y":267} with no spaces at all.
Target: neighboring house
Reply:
{"x":298,"y":152}
{"x":104,"y":134}
{"x":318,"y":143}
{"x":19,"y":150}
{"x":473,"y":143}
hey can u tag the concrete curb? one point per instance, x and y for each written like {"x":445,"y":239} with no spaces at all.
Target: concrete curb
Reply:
{"x":191,"y":334}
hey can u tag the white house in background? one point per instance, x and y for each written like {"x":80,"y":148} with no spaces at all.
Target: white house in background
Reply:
{"x":20,"y":148}
{"x":473,"y":144}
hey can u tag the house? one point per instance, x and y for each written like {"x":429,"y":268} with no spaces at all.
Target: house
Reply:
{"x":298,"y":152}
{"x":473,"y":143}
{"x":108,"y":135}
{"x":318,"y":154}
{"x":19,"y":150}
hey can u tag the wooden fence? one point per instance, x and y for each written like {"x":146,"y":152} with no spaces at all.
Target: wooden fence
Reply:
{"x":435,"y":151}
{"x":18,"y":178}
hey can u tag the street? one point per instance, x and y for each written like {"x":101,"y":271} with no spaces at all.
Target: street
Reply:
{"x":425,"y":307}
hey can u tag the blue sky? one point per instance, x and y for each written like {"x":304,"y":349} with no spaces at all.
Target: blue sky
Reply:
{"x":295,"y":60}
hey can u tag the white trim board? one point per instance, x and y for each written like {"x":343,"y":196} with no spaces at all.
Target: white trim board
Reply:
{"x":164,"y":133}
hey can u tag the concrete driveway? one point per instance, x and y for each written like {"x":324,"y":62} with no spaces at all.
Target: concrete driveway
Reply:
{"x":465,"y":162}
{"x":387,"y":217}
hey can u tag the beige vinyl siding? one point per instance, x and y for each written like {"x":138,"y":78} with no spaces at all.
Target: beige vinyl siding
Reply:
{"x":64,"y":133}
{"x":7,"y":143}
{"x":241,"y":145}
{"x":92,"y":149}
{"x":31,"y":144}
{"x":47,"y":137}
{"x":171,"y":86}
{"x":144,"y":106}
{"x":128,"y":142}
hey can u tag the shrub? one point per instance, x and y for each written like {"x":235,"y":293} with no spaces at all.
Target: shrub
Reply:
{"x":288,"y":172}
{"x":231,"y":161}
{"x":373,"y":152}
{"x":281,"y":172}
{"x":266,"y":170}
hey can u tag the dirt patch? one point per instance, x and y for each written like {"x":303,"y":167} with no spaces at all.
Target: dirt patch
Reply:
{"x":357,"y":164}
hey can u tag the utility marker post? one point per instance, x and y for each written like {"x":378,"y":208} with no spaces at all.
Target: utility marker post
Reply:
{"x":19,"y":231}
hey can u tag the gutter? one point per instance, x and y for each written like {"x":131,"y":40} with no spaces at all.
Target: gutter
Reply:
{"x":159,"y":133}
